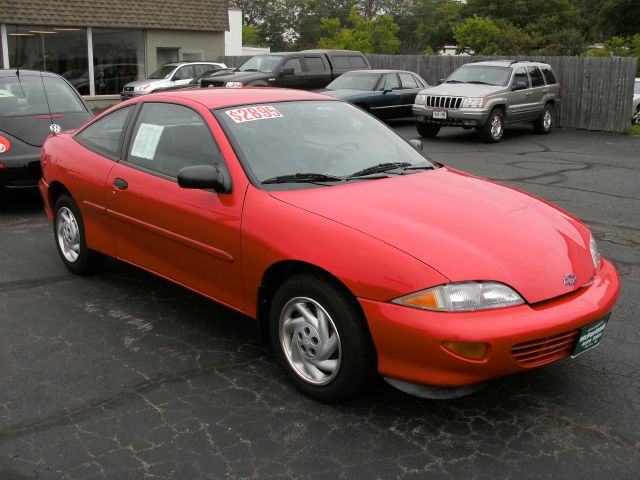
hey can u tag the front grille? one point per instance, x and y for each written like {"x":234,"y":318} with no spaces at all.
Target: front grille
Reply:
{"x":545,"y":350}
{"x":212,"y":83}
{"x":443,"y":102}
{"x":128,"y":89}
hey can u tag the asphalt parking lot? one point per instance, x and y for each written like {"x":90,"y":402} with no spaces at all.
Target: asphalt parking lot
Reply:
{"x":123,"y":375}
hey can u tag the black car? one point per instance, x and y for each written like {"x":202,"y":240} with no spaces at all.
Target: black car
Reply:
{"x":384,"y":93}
{"x":33,"y":104}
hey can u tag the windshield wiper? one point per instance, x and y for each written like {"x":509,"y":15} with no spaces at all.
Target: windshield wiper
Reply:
{"x":479,"y":82}
{"x":302,"y":178}
{"x":249,"y":70}
{"x":420,"y":166}
{"x":380,"y":168}
{"x":454,"y":81}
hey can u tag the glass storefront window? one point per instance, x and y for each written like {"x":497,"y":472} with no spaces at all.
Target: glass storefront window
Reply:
{"x":118,"y":58}
{"x":62,"y":50}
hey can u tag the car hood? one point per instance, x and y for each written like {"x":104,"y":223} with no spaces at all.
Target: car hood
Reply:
{"x":33,"y":130}
{"x":462,"y":90}
{"x":151,"y":81}
{"x":344,"y":94}
{"x":243,"y":77}
{"x":466,"y":228}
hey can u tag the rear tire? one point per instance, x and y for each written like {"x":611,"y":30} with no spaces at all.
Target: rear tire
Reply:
{"x":427,"y":130}
{"x":68,"y":230}
{"x":321,"y":339}
{"x":493,"y":129}
{"x":544,"y":122}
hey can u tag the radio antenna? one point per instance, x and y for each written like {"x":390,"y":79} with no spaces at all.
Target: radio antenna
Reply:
{"x":54,"y":127}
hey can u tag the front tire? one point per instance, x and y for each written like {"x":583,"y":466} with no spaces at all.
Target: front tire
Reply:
{"x":321,"y":339}
{"x":427,"y":130}
{"x":544,"y":122}
{"x":68,"y":228}
{"x":493,"y":129}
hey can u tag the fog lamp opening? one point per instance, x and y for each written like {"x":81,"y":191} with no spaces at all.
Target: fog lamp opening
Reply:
{"x":470,"y":350}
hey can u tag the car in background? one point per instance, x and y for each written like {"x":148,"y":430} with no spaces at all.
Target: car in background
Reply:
{"x":488,"y":95}
{"x":635,"y":107}
{"x":169,"y":75}
{"x":108,"y":78}
{"x":356,"y":253}
{"x":196,"y":82}
{"x":384,"y":93}
{"x":33,"y":104}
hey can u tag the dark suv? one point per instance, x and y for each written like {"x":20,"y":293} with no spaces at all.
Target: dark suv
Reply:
{"x":488,"y":95}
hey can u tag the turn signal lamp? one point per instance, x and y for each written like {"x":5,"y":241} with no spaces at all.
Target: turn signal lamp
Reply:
{"x":471,"y":350}
{"x":5,"y":145}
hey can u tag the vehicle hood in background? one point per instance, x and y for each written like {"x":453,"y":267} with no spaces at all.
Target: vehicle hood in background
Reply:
{"x":462,"y":90}
{"x":465,"y":227}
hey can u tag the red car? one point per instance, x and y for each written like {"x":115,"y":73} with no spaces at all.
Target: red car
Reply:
{"x":355,"y":252}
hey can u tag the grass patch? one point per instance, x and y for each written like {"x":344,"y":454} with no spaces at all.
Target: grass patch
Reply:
{"x":634,"y":130}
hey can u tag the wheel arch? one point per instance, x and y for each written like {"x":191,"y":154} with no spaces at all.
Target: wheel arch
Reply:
{"x":56,"y":190}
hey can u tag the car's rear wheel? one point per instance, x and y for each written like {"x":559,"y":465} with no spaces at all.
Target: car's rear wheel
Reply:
{"x":493,"y":129}
{"x":321,"y":339}
{"x":427,"y":130}
{"x":68,"y":228}
{"x":544,"y":122}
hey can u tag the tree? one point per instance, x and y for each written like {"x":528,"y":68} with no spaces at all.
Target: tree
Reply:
{"x":485,"y":36}
{"x":369,"y":36}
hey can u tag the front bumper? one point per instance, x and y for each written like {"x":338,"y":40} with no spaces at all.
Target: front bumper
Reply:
{"x":128,"y":95}
{"x":20,"y":171}
{"x":409,"y":341}
{"x":460,"y":117}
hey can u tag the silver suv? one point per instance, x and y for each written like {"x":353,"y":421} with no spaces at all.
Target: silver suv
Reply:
{"x":169,"y":75}
{"x":488,"y":95}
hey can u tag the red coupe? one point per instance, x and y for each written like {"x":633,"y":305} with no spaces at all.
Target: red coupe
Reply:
{"x":355,"y":252}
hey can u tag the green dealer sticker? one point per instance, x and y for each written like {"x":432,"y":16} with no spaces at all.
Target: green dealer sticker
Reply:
{"x":590,"y":336}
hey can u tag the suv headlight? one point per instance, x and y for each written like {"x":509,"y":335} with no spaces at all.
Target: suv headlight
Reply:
{"x":595,"y":255}
{"x":233,"y":84}
{"x":421,"y":98}
{"x":462,"y":297}
{"x":474,"y":102}
{"x":141,"y":88}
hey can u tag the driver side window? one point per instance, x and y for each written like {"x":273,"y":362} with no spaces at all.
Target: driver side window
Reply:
{"x":521,"y":76}
{"x":293,"y":63}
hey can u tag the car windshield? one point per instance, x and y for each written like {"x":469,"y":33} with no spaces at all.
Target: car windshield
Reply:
{"x":25,"y":96}
{"x":261,"y":63}
{"x":636,"y":88}
{"x":355,"y":81}
{"x":481,"y":74}
{"x":162,"y":72}
{"x":315,"y":139}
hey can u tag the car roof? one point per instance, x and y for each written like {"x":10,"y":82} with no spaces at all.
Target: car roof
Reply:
{"x":505,"y":63}
{"x":179,"y":64}
{"x":364,"y":72}
{"x":213,"y":98}
{"x":11,"y":72}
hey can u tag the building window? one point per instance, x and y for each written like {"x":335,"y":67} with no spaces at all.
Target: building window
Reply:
{"x":62,"y":50}
{"x":118,"y":58}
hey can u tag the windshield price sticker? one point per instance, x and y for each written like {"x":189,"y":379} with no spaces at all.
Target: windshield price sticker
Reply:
{"x":250,"y":114}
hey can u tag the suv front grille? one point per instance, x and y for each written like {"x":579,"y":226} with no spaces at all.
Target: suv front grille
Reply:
{"x":443,"y":102}
{"x":545,"y":350}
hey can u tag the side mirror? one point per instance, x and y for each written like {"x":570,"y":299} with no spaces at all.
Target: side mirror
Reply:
{"x":416,"y":143}
{"x":285,"y":72}
{"x":441,"y":80}
{"x":204,"y":176}
{"x":520,"y":85}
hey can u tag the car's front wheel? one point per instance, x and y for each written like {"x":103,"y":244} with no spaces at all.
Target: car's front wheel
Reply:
{"x":68,"y":228}
{"x":492,"y":131}
{"x":427,"y":130}
{"x":544,"y":122}
{"x":321,"y":339}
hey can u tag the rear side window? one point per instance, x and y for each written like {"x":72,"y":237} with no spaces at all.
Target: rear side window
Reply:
{"x":168,"y":137}
{"x":357,"y":62}
{"x":315,"y":64}
{"x":536,"y":77}
{"x":548,"y":75}
{"x":391,"y":81}
{"x":104,"y":136}
{"x":25,"y":96}
{"x":184,"y":73}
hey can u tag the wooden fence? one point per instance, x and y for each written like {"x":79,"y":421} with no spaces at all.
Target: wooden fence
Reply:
{"x":596,"y":92}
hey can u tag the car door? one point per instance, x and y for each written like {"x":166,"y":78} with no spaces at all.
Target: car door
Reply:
{"x":191,"y":236}
{"x":183,"y":75}
{"x":538,"y":92}
{"x":389,"y":104}
{"x":519,"y":100}
{"x":102,"y":142}
{"x":290,"y":81}
{"x":317,"y":73}
{"x":410,"y":85}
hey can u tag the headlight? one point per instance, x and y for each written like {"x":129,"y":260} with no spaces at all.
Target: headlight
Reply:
{"x":141,"y":88}
{"x":462,"y":297}
{"x":474,"y":102}
{"x":595,"y":255}
{"x":421,"y":98}
{"x":233,"y":84}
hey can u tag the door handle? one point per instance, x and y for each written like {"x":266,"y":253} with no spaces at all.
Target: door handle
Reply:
{"x":528,"y":94}
{"x":546,"y":90}
{"x":120,"y":184}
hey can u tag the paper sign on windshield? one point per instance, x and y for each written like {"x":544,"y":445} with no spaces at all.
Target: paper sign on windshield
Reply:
{"x":250,"y":114}
{"x":146,"y":142}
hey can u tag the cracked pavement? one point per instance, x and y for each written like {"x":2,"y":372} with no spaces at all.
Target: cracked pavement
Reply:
{"x":123,"y":375}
